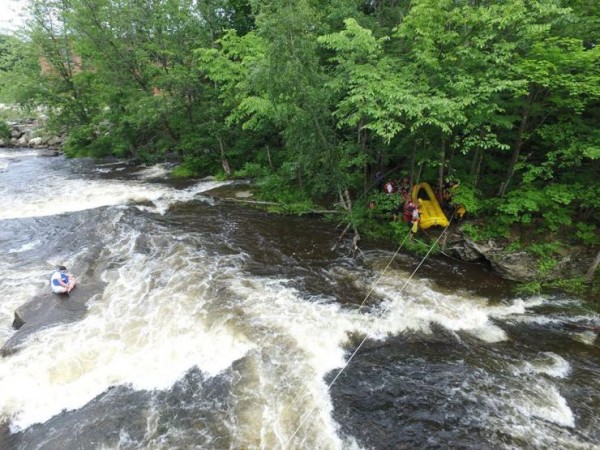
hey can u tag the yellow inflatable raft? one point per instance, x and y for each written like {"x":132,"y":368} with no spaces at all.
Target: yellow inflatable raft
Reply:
{"x":431,"y":212}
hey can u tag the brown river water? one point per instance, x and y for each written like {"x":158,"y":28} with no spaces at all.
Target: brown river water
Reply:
{"x":212,"y":325}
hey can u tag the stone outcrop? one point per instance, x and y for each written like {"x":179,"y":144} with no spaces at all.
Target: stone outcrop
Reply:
{"x":517,"y":265}
{"x":47,"y":310}
{"x":31,"y":133}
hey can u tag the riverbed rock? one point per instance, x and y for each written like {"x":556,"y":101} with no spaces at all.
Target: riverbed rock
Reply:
{"x":22,"y":135}
{"x":459,"y":246}
{"x":55,"y":141}
{"x":48,"y":152}
{"x":36,"y":142}
{"x":244,"y":194}
{"x":518,"y":266}
{"x":44,"y":311}
{"x":4,"y":433}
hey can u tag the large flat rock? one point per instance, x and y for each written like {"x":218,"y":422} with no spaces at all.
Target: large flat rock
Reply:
{"x":47,"y":310}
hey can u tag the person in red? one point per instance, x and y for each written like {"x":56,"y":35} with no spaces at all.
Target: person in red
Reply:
{"x":389,"y":187}
{"x":407,"y":214}
{"x":416,"y":218}
{"x":405,"y":188}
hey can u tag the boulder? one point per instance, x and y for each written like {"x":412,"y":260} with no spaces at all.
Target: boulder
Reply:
{"x":55,"y":141}
{"x":244,"y":194}
{"x":22,"y":135}
{"x":47,"y":310}
{"x":5,"y":433}
{"x":36,"y":142}
{"x":460,"y":247}
{"x":47,"y":152}
{"x":518,"y":266}
{"x":28,"y":131}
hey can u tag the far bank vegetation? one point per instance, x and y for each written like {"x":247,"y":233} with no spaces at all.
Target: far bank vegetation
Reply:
{"x":311,"y":98}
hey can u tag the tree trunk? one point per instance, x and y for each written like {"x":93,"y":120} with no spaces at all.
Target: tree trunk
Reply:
{"x":419,"y":173}
{"x":441,"y":171}
{"x":366,"y":165}
{"x":366,"y":178}
{"x":476,"y":167}
{"x":269,"y":156}
{"x":299,"y":176}
{"x":224,"y":161}
{"x":413,"y":158}
{"x":518,"y":145}
{"x":589,"y":276}
{"x":346,"y":202}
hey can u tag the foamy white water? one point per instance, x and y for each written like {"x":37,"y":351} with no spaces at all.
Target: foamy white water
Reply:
{"x":76,"y":362}
{"x":548,"y":363}
{"x":49,"y":192}
{"x":66,"y":196}
{"x":172,"y":303}
{"x":145,"y":330}
{"x":8,"y":154}
{"x":320,"y":330}
{"x":416,"y":305}
{"x":154,"y":172}
{"x":18,"y":288}
{"x":523,"y":410}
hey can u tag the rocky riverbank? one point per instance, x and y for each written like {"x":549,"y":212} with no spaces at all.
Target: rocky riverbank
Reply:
{"x":520,"y":266}
{"x":31,"y":133}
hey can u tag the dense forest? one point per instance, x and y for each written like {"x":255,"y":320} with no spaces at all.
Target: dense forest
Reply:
{"x":312,"y":98}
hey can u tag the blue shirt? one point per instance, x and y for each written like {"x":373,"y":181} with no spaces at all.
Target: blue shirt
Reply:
{"x":56,"y":275}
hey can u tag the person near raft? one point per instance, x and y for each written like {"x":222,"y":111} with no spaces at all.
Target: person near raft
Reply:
{"x":446,"y":197}
{"x":389,"y":187}
{"x":404,"y":188}
{"x":62,"y":282}
{"x":407,"y":214}
{"x":415,"y":218}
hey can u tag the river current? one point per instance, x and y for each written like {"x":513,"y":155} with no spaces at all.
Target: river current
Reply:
{"x":211,"y":325}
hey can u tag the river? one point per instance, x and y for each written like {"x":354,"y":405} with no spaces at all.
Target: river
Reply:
{"x":212,"y":325}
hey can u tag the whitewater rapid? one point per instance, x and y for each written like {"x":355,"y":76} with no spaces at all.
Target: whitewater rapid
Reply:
{"x":178,"y":297}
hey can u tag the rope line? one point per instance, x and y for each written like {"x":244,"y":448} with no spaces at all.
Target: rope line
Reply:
{"x":374,"y":285}
{"x":368,"y":295}
{"x":385,"y":310}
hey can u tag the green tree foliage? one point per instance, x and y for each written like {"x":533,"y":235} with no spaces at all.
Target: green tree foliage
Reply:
{"x":19,"y":72}
{"x":8,"y":55}
{"x":311,"y":98}
{"x":272,"y":82}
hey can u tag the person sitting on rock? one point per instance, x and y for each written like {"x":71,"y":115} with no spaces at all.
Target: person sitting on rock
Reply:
{"x":62,"y":282}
